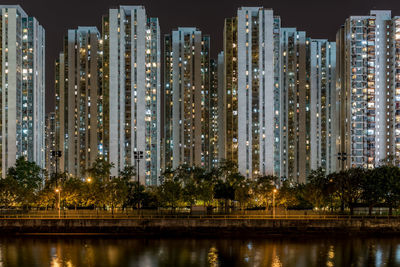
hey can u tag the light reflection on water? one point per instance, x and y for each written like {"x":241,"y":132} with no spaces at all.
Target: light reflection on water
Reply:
{"x":143,"y":252}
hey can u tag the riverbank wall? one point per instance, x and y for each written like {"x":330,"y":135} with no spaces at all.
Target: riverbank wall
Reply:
{"x":198,"y":227}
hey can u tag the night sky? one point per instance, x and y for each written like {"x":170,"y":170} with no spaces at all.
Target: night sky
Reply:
{"x":320,"y":18}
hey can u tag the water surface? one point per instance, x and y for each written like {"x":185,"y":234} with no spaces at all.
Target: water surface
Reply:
{"x":143,"y":252}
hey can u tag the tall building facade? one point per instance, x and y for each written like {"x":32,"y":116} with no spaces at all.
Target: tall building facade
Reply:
{"x":394,"y":90}
{"x":274,"y":78}
{"x":367,"y":90}
{"x":22,"y":85}
{"x":228,"y":97}
{"x":78,"y":101}
{"x":221,"y":121}
{"x":295,"y":105}
{"x":131,"y":81}
{"x":323,"y":130}
{"x":50,"y":143}
{"x":213,"y":114}
{"x":187,"y":98}
{"x":305,"y":128}
{"x":249,"y":90}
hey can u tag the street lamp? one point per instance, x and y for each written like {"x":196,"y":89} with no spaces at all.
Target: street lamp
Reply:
{"x":59,"y":202}
{"x":89,"y":180}
{"x":342,"y":156}
{"x":138,"y":156}
{"x":56,"y":154}
{"x":273,"y":202}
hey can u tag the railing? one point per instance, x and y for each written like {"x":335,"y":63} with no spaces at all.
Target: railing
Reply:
{"x":121,"y":216}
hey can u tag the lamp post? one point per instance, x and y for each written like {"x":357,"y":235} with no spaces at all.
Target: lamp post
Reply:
{"x":138,"y":156}
{"x":342,"y":156}
{"x":273,"y":202}
{"x":56,"y":154}
{"x":59,"y":202}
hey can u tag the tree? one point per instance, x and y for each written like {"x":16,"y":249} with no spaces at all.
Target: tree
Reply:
{"x":226,"y":168}
{"x":390,"y":176}
{"x":136,"y":194}
{"x":97,"y":191}
{"x":262,"y":189}
{"x":170,"y":192}
{"x":372,"y":187}
{"x":242,"y":193}
{"x":9,"y":192}
{"x":315,"y":189}
{"x":226,"y":187}
{"x":237,"y":182}
{"x":72,"y":192}
{"x":329,"y":190}
{"x":28,"y":177}
{"x":116,"y":192}
{"x":94,"y":193}
{"x":348,"y":187}
{"x":46,"y":198}
{"x":287,"y":196}
{"x":224,"y":191}
{"x":100,"y":169}
{"x":190,"y":192}
{"x":151,"y":197}
{"x":205,"y":183}
{"x":205,"y":191}
{"x":128,"y":173}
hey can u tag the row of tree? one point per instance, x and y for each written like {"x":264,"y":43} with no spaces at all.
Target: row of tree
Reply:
{"x":223,"y":187}
{"x":354,"y":187}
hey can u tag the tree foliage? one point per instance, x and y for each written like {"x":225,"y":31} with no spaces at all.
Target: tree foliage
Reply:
{"x":187,"y":186}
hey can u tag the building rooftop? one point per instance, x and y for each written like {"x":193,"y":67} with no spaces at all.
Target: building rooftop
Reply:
{"x":18,"y":7}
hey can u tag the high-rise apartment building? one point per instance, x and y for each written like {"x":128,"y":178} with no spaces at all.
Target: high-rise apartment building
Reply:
{"x":187,"y":98}
{"x":295,"y":105}
{"x":78,"y":101}
{"x":305,"y":115}
{"x":228,"y":98}
{"x":213,"y":114}
{"x":50,"y":143}
{"x":221,"y":120}
{"x":22,"y":84}
{"x":368,"y":89}
{"x":273,"y":79}
{"x":393,"y":153}
{"x":323,"y":130}
{"x":131,"y":82}
{"x":249,"y":90}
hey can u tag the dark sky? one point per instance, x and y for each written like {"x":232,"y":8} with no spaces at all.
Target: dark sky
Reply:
{"x":320,"y":18}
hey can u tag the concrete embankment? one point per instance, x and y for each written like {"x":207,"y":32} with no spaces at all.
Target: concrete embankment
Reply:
{"x":206,"y":227}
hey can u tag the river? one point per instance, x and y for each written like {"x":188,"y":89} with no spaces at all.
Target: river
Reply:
{"x":143,"y":252}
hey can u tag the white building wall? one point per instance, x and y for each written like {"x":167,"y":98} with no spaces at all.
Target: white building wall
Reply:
{"x":266,"y":74}
{"x":12,"y":68}
{"x":9,"y":135}
{"x":265,"y":90}
{"x":116,"y":120}
{"x":158,"y":105}
{"x":39,"y":95}
{"x":61,"y":113}
{"x":119,"y":142}
{"x":221,"y":108}
{"x":365,"y":142}
{"x":177,"y":133}
{"x":181,"y":99}
{"x":315,"y":104}
{"x":380,"y":83}
{"x":139,"y":130}
{"x":244,"y":89}
{"x":318,"y":80}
